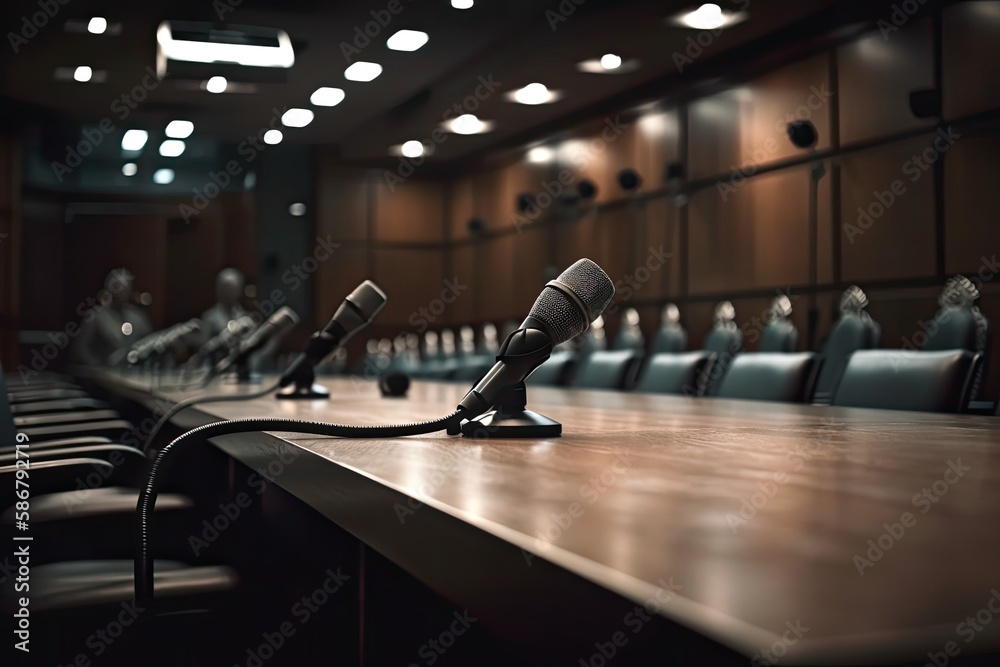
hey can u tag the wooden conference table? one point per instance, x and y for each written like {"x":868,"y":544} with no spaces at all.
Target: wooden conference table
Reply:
{"x":820,"y":535}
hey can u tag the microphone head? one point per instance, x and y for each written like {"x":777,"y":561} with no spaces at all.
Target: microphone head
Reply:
{"x":368,"y":299}
{"x":283,"y":319}
{"x":569,"y":314}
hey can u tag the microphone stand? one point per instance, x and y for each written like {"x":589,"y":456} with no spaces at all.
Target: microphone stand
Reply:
{"x":510,"y":419}
{"x":304,"y":374}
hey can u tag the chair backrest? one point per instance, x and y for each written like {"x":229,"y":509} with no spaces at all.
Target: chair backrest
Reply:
{"x":936,"y":381}
{"x":779,"y":336}
{"x":850,"y":333}
{"x":959,"y":325}
{"x":608,"y":369}
{"x":629,"y":338}
{"x":771,"y":376}
{"x":685,"y":373}
{"x":8,"y":432}
{"x":554,"y":372}
{"x":726,"y":343}
{"x":670,"y":339}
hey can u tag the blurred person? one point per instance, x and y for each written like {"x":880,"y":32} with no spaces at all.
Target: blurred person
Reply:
{"x":113,"y":324}
{"x":229,"y":286}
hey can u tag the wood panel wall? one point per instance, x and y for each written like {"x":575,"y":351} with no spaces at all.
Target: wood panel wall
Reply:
{"x":743,"y":231}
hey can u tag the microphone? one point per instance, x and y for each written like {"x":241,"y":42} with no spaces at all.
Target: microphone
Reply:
{"x":280,"y":323}
{"x":564,"y":309}
{"x":234,"y":330}
{"x":353,"y":315}
{"x":161,"y":341}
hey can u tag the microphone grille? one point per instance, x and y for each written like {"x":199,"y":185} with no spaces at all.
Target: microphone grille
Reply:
{"x":562,"y":314}
{"x":285,"y":317}
{"x":368,"y":299}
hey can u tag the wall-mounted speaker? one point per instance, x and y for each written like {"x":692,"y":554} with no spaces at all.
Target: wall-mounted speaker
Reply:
{"x":629,"y":179}
{"x":926,"y":103}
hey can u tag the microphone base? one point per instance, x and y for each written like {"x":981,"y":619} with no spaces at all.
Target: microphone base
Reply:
{"x":510,"y":419}
{"x":314,"y":392}
{"x":519,"y":424}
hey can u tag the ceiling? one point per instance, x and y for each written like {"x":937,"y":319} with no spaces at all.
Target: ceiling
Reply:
{"x":512,"y":43}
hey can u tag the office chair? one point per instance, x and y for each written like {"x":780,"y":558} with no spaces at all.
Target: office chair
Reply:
{"x":671,"y":337}
{"x":726,"y":341}
{"x":937,"y":381}
{"x":780,"y":335}
{"x":855,"y":330}
{"x":960,"y":325}
{"x":683,"y":373}
{"x":771,"y":376}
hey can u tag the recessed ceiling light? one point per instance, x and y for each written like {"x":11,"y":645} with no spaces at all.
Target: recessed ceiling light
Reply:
{"x":407,"y":40}
{"x":130,"y":169}
{"x":606,"y":64}
{"x":83,"y":74}
{"x":172,"y":148}
{"x":533,"y":93}
{"x":467,"y":124}
{"x":97,"y":25}
{"x":541,"y":155}
{"x":297,"y":118}
{"x":217,"y":84}
{"x":462,"y":4}
{"x":134,"y":140}
{"x":362,"y":71}
{"x":611,"y":61}
{"x":708,"y":17}
{"x":327,"y":97}
{"x":179,"y":129}
{"x":272,"y":137}
{"x":163,"y":176}
{"x":298,"y":209}
{"x":413,"y":148}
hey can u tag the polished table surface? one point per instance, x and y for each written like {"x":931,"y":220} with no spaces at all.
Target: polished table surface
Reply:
{"x":875,"y":533}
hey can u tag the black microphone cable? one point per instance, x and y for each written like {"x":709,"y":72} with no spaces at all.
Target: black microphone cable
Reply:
{"x":147,"y":446}
{"x":150,"y":489}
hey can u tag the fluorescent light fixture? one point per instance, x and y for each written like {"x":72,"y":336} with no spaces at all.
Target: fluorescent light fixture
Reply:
{"x":541,"y":155}
{"x":226,"y":46}
{"x":462,"y":4}
{"x":327,"y":97}
{"x":362,"y":71}
{"x":611,"y":61}
{"x":407,"y":40}
{"x":130,"y":169}
{"x":83,"y":74}
{"x":172,"y":148}
{"x":298,"y":209}
{"x":272,"y":137}
{"x":217,"y":84}
{"x":467,"y":124}
{"x":134,"y":140}
{"x":179,"y":129}
{"x":413,"y":148}
{"x":163,"y":176}
{"x":97,"y":25}
{"x":297,"y":117}
{"x":533,"y":93}
{"x":708,"y":17}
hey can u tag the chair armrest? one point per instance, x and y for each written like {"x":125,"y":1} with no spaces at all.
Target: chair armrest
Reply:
{"x":109,"y":429}
{"x":54,"y":475}
{"x":101,"y":451}
{"x":61,"y":442}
